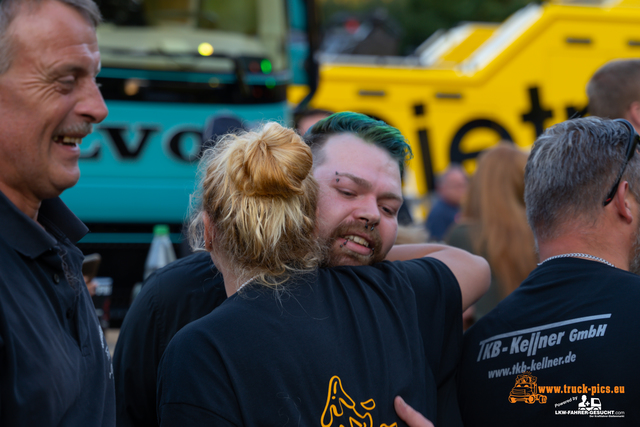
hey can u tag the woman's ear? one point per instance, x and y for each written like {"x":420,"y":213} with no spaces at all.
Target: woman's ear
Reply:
{"x":208,"y":232}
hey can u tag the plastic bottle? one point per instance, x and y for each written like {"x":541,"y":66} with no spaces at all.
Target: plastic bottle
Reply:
{"x":161,"y":251}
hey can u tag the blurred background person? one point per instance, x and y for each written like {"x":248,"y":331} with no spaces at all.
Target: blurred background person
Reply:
{"x":493,"y":223}
{"x":307,"y":118}
{"x":451,"y":188}
{"x":614,"y":91}
{"x":408,"y":234}
{"x":90,"y":267}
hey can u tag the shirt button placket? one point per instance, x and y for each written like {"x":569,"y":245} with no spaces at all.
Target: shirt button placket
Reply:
{"x":56,"y":278}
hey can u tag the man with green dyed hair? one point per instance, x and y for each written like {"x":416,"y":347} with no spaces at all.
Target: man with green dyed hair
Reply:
{"x":366,"y":128}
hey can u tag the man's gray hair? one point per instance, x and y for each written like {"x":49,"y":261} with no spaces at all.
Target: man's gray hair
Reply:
{"x":613,"y":88}
{"x":572,"y":167}
{"x":9,"y":9}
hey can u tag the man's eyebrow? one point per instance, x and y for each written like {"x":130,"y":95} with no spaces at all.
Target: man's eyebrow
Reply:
{"x":360,"y":181}
{"x":392,"y":196}
{"x":76,"y":68}
{"x":367,"y":185}
{"x":67,"y":69}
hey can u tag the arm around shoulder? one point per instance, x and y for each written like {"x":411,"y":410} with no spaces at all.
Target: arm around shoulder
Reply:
{"x":471,"y":271}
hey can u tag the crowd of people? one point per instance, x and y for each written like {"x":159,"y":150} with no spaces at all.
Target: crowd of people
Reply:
{"x":298,"y":307}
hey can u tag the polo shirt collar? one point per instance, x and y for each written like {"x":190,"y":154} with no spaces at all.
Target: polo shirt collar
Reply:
{"x":27,"y":237}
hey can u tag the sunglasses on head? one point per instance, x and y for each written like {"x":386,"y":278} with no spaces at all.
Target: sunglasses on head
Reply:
{"x":631,"y":148}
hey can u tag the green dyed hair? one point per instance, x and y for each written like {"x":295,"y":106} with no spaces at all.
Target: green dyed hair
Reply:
{"x":370,"y":130}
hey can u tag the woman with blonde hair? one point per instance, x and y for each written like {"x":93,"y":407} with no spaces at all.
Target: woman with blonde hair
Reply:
{"x":268,"y":182}
{"x":494,"y":224}
{"x":295,"y":343}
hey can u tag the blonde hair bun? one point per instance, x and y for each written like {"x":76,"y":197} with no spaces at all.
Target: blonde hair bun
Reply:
{"x":273,"y":163}
{"x":257,"y":190}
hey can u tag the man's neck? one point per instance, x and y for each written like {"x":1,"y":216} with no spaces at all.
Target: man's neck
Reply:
{"x":585,"y":243}
{"x":27,"y":205}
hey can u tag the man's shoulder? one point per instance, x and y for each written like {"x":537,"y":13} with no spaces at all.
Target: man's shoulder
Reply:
{"x":440,"y":207}
{"x":436,"y":209}
{"x":416,"y":270}
{"x":199,"y":261}
{"x":196,"y":263}
{"x":426,"y":281}
{"x":179,"y":293}
{"x":178,"y":279}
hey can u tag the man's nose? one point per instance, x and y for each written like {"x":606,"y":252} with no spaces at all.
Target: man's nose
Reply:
{"x":91,"y":105}
{"x":368,"y":211}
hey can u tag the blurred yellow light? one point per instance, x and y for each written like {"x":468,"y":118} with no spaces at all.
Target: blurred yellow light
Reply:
{"x":205,"y":49}
{"x":131,"y":87}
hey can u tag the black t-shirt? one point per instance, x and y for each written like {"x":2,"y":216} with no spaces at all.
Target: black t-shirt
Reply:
{"x":171,"y":297}
{"x":337,"y":347}
{"x":558,"y":351}
{"x":55,"y":367}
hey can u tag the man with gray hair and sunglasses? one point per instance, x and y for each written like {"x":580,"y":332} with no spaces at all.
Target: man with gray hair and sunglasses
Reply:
{"x":55,"y":367}
{"x":557,"y":350}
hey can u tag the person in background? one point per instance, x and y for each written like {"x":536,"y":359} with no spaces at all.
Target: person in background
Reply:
{"x":55,"y":367}
{"x":411,"y":234}
{"x":614,"y":91}
{"x":90,"y":267}
{"x":451,"y":188}
{"x":572,"y":324}
{"x":191,"y":287}
{"x":309,"y":117}
{"x":493,"y":223}
{"x":292,"y":340}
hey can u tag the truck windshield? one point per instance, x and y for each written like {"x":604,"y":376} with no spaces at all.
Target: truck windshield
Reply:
{"x":193,"y":35}
{"x":233,"y":16}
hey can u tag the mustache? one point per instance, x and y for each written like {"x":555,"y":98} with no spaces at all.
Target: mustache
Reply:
{"x":359,"y":229}
{"x":79,"y":128}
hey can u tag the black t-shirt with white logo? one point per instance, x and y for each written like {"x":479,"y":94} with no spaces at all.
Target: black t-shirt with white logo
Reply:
{"x":560,"y":350}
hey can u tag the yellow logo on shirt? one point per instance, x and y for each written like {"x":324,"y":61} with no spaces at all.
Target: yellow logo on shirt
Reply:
{"x":341,"y":409}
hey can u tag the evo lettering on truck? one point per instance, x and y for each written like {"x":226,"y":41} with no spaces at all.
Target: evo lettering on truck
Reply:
{"x":171,"y":70}
{"x":478,"y":84}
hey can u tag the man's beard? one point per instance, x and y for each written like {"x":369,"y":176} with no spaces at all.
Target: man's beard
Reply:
{"x":634,"y":265}
{"x":340,"y":255}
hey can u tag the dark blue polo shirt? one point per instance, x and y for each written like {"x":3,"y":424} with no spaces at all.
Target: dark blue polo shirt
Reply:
{"x":55,"y":367}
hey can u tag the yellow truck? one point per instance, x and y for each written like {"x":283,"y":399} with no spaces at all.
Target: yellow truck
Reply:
{"x":470,"y":87}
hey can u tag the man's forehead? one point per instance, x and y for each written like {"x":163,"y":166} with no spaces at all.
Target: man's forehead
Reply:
{"x":347,"y":146}
{"x":47,"y":16}
{"x":58,"y":28}
{"x":351,"y":156}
